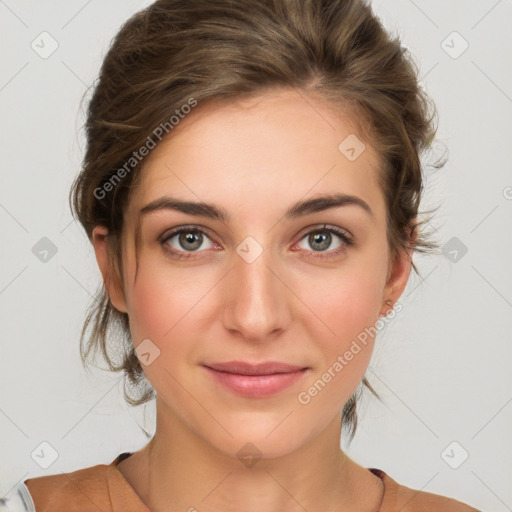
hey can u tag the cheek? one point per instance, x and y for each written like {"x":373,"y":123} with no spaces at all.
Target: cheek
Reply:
{"x":167,"y":307}
{"x":349,"y":303}
{"x":162,"y":301}
{"x":348,"y":298}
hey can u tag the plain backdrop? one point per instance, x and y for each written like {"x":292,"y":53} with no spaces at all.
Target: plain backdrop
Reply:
{"x":442,"y":366}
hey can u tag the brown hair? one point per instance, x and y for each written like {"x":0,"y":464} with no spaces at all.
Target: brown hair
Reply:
{"x":220,"y":50}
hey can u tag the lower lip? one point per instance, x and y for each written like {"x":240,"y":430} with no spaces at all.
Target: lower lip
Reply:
{"x":256,"y":386}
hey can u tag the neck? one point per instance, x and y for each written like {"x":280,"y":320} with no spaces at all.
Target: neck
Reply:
{"x":179,"y":470}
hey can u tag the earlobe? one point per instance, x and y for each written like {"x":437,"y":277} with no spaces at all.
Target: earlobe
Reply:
{"x":111,"y":280}
{"x":386,"y":308}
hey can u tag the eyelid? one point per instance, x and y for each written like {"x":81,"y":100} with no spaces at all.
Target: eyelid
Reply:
{"x":346,"y":237}
{"x":186,"y":227}
{"x":203,"y":229}
{"x":338,"y":230}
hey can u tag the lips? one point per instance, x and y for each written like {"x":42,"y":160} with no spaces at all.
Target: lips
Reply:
{"x":242,"y":368}
{"x":255,"y":380}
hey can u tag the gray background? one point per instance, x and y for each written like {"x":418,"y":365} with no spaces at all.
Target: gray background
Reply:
{"x":442,"y":366}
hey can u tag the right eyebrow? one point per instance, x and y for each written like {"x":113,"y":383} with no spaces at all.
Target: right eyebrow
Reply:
{"x":192,"y":208}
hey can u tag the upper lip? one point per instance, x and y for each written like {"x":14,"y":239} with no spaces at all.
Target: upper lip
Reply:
{"x":243,"y":368}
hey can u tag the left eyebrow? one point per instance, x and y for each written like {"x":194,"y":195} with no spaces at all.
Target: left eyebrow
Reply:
{"x":299,"y":209}
{"x":325,"y":202}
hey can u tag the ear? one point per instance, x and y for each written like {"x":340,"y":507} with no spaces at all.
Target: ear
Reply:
{"x":398,"y":275}
{"x":111,"y":279}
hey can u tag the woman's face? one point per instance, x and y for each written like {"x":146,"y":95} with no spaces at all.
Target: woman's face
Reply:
{"x":268,"y":281}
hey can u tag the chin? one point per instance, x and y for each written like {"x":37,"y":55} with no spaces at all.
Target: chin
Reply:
{"x":260,"y":440}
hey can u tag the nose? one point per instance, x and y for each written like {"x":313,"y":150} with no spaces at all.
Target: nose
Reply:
{"x":256,"y":302}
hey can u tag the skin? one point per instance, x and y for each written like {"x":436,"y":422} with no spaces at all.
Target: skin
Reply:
{"x":254,"y":158}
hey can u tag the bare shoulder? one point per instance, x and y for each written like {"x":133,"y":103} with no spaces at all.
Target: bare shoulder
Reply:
{"x":399,"y":497}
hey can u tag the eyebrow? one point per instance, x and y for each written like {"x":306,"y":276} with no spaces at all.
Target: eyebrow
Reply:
{"x":211,"y":211}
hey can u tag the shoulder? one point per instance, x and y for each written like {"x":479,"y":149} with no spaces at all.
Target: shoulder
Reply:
{"x":83,"y":490}
{"x":405,"y":499}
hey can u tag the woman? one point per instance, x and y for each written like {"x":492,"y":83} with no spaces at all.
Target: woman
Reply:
{"x":251,"y":189}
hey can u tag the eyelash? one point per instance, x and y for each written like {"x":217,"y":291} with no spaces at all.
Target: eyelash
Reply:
{"x":346,"y":238}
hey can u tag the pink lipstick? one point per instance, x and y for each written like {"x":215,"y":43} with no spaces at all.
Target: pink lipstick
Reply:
{"x":255,"y":380}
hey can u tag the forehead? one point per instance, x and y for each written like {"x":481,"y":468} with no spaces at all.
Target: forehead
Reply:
{"x":278,"y":146}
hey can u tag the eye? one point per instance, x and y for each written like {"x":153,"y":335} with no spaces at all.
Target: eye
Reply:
{"x":330,"y":240}
{"x":185,"y":240}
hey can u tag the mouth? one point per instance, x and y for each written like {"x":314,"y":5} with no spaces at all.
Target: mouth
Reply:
{"x":255,"y":380}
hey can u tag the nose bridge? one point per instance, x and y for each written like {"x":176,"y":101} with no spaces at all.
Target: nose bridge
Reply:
{"x":255,"y":301}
